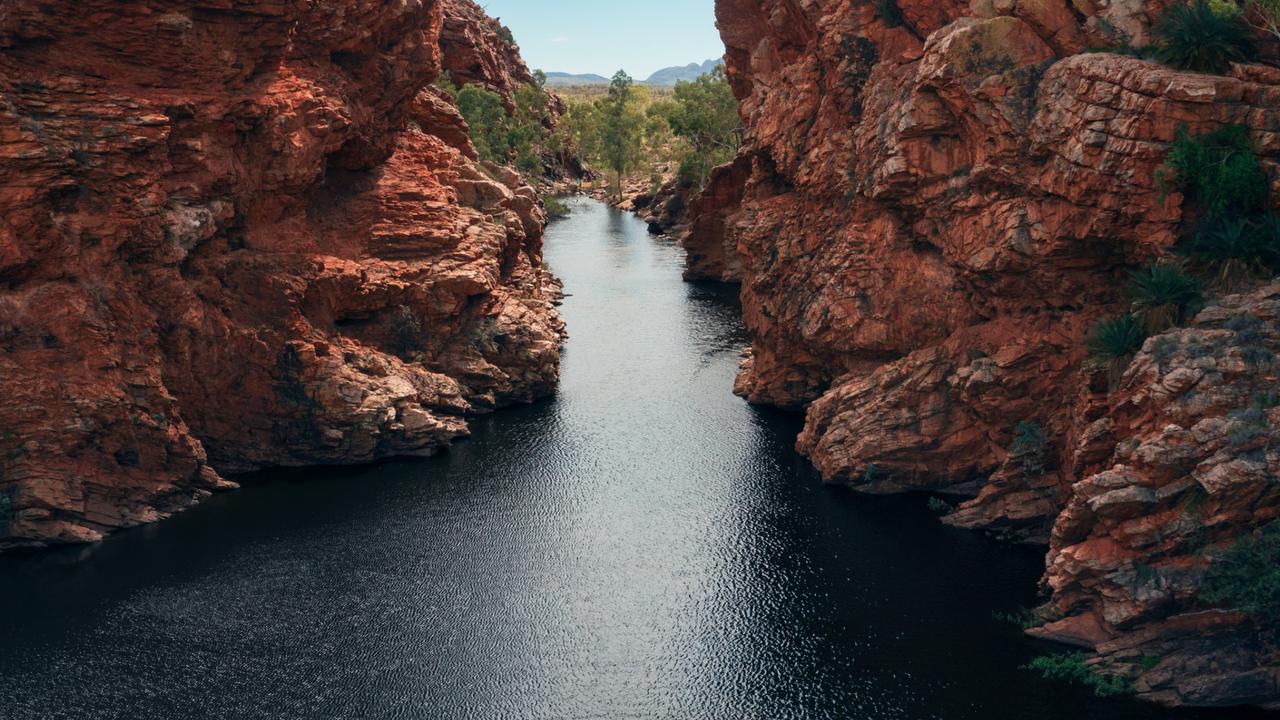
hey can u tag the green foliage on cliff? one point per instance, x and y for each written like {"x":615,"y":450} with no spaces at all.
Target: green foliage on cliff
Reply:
{"x":705,"y":116}
{"x":407,"y":337}
{"x":938,"y":506}
{"x":1247,"y":576}
{"x":483,"y":111}
{"x":1236,"y":249}
{"x":1219,"y":170}
{"x":519,"y":138}
{"x":1220,"y":173}
{"x":1197,"y":36}
{"x":1072,"y":669}
{"x":555,"y":208}
{"x":1027,"y":618}
{"x":1117,"y":338}
{"x":1030,"y":442}
{"x":1163,"y":294}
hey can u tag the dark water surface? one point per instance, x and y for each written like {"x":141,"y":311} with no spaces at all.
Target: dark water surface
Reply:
{"x":644,"y":546}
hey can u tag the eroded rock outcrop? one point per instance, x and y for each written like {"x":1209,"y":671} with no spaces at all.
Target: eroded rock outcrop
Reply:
{"x":1180,"y":462}
{"x":931,"y":211}
{"x":239,"y":234}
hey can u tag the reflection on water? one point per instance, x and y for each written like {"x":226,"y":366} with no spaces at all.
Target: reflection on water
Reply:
{"x":644,"y":546}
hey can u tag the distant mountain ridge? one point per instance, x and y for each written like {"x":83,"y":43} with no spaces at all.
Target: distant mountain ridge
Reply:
{"x":563,"y":78}
{"x":665,"y":76}
{"x":672,"y":75}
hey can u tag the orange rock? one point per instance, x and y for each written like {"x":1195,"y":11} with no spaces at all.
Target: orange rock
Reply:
{"x":242,"y":238}
{"x":930,"y":212}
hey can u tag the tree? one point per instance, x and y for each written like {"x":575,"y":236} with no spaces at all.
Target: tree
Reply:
{"x":521,"y":137}
{"x":527,"y":129}
{"x":1263,"y":15}
{"x":484,"y":113}
{"x":705,"y":116}
{"x":621,"y":129}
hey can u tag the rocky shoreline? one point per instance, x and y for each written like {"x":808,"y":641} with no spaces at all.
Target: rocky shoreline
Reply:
{"x":931,"y":212}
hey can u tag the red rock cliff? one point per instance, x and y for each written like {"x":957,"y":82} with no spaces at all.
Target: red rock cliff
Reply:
{"x":238,"y":234}
{"x":930,"y":212}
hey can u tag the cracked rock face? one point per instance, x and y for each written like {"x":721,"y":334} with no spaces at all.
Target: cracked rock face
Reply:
{"x":930,"y":213}
{"x":244,"y":234}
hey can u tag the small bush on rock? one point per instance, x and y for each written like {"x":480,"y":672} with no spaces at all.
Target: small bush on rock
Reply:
{"x":1247,"y":576}
{"x":1115,"y":339}
{"x":1072,"y":669}
{"x":408,"y":337}
{"x":1163,"y":295}
{"x":1235,"y":250}
{"x":940,"y":507}
{"x":1029,"y":444}
{"x":1196,"y":37}
{"x":1220,"y":170}
{"x":555,"y":207}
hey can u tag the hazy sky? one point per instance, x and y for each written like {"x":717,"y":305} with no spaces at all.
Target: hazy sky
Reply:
{"x":601,"y":36}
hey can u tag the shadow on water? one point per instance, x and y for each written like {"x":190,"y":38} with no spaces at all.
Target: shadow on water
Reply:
{"x":645,"y":545}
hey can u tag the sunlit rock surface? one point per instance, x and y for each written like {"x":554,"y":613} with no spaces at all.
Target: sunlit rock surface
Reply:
{"x":244,"y":234}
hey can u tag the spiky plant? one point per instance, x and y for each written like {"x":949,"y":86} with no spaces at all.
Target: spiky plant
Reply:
{"x":1162,"y":295}
{"x":1116,"y":339}
{"x":1236,"y":250}
{"x":1195,"y":37}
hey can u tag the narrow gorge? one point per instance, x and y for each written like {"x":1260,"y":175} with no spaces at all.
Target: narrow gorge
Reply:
{"x":497,"y":468}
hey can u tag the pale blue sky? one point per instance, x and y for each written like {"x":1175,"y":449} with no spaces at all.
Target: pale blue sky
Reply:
{"x":601,"y":36}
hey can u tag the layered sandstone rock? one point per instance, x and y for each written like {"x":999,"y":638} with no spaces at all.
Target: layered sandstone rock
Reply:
{"x":930,"y":212}
{"x":1180,"y":461}
{"x":480,"y":50}
{"x":239,"y":234}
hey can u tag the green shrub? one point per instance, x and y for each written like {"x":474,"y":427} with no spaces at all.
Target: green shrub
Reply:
{"x":940,"y":506}
{"x":1027,"y":618}
{"x":873,"y":474}
{"x":1195,"y":37}
{"x":1072,"y":669}
{"x":1028,"y":448}
{"x":444,"y":83}
{"x":1247,"y":576}
{"x":1115,"y":339}
{"x":487,"y":119}
{"x":520,"y":138}
{"x":1235,"y":250}
{"x":555,"y":208}
{"x":529,"y":164}
{"x":407,"y":335}
{"x":1220,"y":170}
{"x":1162,"y":296}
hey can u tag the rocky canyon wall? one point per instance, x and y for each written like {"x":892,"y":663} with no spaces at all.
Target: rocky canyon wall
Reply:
{"x":247,"y":233}
{"x":935,"y":204}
